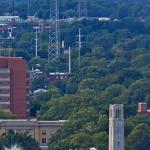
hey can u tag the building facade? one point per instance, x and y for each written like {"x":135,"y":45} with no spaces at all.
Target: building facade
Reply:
{"x":41,"y":131}
{"x":57,"y":76}
{"x":143,"y":109}
{"x":116,"y":127}
{"x":14,"y":86}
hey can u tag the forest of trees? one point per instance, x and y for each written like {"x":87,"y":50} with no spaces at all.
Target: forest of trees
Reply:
{"x":115,"y":68}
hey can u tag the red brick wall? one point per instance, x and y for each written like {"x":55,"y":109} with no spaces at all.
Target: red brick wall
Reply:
{"x":18,"y":84}
{"x":142,"y":107}
{"x":3,"y":62}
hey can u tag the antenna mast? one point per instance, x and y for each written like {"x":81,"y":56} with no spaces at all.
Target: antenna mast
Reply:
{"x":53,"y":46}
{"x":69,"y":60}
{"x":80,"y":37}
{"x":80,"y":46}
{"x":36,"y":32}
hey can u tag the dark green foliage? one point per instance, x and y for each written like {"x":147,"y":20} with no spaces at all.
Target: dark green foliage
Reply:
{"x":24,"y":140}
{"x":39,"y":82}
{"x":139,"y":138}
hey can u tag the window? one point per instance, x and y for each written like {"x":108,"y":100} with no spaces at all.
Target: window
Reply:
{"x":43,"y":132}
{"x":118,"y":113}
{"x":43,"y":140}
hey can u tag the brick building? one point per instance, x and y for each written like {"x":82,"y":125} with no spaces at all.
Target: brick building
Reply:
{"x":13,"y":86}
{"x":142,"y":109}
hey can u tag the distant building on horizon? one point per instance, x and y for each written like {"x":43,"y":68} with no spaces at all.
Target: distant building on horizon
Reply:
{"x":14,"y":86}
{"x":57,"y":76}
{"x":35,"y":73}
{"x":116,"y":127}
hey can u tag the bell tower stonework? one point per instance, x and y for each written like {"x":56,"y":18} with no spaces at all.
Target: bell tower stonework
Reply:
{"x":116,"y":127}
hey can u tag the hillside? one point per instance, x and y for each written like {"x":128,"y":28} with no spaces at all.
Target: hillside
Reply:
{"x":115,"y":68}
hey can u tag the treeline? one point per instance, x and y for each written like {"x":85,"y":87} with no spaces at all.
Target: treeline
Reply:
{"x":96,"y":8}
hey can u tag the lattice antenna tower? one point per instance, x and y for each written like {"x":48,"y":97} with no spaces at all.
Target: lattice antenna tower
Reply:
{"x":54,"y":31}
{"x":82,"y":8}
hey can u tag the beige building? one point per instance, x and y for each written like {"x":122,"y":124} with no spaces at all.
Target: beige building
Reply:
{"x":116,"y":127}
{"x":41,"y":131}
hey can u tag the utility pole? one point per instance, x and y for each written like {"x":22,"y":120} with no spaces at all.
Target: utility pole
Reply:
{"x":79,"y":9}
{"x":1,"y":31}
{"x":82,"y":9}
{"x":0,"y":48}
{"x":10,"y":38}
{"x":69,"y":60}
{"x":36,"y":39}
{"x":79,"y":46}
{"x":54,"y":31}
{"x":13,"y":7}
{"x":28,"y":8}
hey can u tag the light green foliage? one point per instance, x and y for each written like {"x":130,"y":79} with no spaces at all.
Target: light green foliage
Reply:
{"x":6,"y":115}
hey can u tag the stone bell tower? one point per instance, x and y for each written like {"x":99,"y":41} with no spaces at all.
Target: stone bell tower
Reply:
{"x":116,"y":127}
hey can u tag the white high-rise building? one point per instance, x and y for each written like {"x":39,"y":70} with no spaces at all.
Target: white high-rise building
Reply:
{"x":116,"y":127}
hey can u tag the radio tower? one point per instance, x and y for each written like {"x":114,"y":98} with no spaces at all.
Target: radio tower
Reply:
{"x":82,"y":8}
{"x":53,"y":46}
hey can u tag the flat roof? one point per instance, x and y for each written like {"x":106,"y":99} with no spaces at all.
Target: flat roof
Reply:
{"x":28,"y":123}
{"x":9,"y":16}
{"x":32,"y":120}
{"x":10,"y":57}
